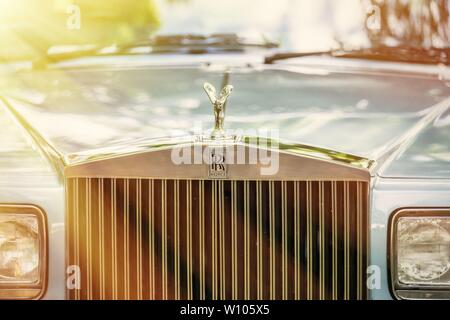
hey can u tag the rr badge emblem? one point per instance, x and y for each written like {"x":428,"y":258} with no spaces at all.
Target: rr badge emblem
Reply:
{"x":217,"y":166}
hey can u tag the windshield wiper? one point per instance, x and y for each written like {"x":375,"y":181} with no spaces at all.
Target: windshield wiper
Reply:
{"x":182,"y":44}
{"x":43,"y":60}
{"x":382,"y":53}
{"x":290,"y":55}
{"x":197,"y":44}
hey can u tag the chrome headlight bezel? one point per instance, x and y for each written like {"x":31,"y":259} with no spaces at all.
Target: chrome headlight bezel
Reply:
{"x":36,"y":289}
{"x":412,"y":291}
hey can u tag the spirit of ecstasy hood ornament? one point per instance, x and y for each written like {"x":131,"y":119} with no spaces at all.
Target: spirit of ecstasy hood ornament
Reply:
{"x":219,"y":107}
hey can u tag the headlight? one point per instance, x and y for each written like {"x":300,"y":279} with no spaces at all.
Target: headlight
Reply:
{"x":22,"y":252}
{"x":420,"y":253}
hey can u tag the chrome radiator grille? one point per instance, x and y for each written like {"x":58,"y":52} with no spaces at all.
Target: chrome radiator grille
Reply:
{"x":213,"y":239}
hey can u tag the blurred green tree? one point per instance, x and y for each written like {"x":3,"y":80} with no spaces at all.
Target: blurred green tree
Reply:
{"x":417,"y":23}
{"x":30,"y":27}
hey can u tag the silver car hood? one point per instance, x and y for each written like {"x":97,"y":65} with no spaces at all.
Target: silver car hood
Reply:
{"x":364,"y":113}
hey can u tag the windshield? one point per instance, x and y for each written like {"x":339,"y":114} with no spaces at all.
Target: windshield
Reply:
{"x":30,"y":28}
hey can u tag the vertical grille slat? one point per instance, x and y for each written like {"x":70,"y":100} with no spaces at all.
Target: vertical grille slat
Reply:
{"x":217,"y":239}
{"x":202,"y":263}
{"x":310,"y":254}
{"x":234,"y":242}
{"x":297,"y":252}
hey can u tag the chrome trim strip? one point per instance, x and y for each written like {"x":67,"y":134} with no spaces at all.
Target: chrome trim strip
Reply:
{"x":158,"y":164}
{"x":153,"y":145}
{"x":47,"y":150}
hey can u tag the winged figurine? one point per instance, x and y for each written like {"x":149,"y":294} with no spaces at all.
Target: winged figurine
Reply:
{"x":219,"y":106}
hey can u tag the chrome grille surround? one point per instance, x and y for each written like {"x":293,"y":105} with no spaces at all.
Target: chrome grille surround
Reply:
{"x":171,"y":233}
